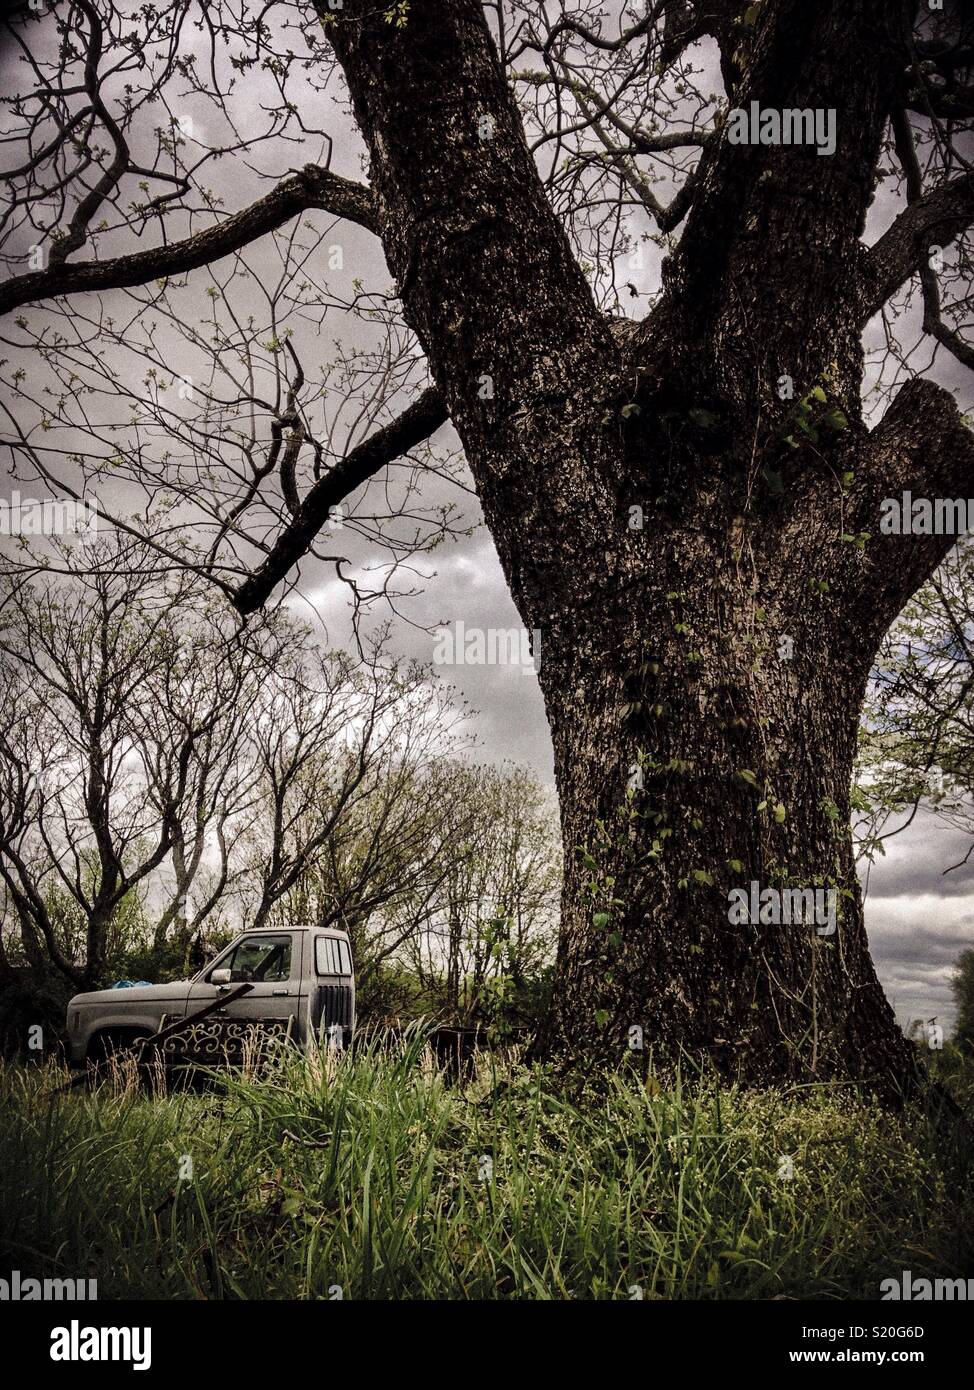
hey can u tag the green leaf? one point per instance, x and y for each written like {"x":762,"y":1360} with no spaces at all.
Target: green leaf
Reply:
{"x":774,"y":480}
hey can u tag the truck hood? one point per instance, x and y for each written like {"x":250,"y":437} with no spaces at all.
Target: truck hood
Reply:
{"x":175,"y":992}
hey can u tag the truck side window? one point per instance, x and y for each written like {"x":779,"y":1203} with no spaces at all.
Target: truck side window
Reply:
{"x":260,"y":959}
{"x":328,"y":961}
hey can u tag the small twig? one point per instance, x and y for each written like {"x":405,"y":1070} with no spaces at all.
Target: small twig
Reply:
{"x":308,"y":1143}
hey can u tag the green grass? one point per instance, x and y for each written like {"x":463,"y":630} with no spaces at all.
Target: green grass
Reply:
{"x":368,"y":1173}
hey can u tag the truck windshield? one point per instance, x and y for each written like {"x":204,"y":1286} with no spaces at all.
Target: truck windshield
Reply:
{"x":260,"y":958}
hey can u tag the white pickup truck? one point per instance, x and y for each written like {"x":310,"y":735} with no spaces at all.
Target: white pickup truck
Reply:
{"x":302,"y":987}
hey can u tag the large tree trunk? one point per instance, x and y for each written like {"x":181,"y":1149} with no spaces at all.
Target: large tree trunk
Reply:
{"x":692,"y":759}
{"x":704,"y":693}
{"x":660,"y":646}
{"x":99,"y":925}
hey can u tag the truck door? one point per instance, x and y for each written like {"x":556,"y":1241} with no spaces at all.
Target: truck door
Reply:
{"x":271,"y":962}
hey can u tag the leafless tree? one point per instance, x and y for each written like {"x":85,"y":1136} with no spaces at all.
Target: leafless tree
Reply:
{"x":355,"y":779}
{"x":120,"y":748}
{"x":493,"y":927}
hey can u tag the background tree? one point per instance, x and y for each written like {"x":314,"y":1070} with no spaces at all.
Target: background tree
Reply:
{"x":486,"y":948}
{"x":448,"y":885}
{"x":917,"y":736}
{"x":671,"y":495}
{"x":119,"y":751}
{"x":355,"y":805}
{"x":963,"y":990}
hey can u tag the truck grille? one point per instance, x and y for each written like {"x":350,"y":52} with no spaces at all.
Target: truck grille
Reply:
{"x":333,"y":1005}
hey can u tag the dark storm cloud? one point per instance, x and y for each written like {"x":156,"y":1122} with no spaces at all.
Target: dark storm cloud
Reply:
{"x":920,"y":918}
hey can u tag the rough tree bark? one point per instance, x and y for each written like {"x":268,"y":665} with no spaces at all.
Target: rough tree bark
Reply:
{"x":690,"y":756}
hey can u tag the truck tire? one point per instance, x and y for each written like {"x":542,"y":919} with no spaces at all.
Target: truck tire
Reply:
{"x":103,"y":1046}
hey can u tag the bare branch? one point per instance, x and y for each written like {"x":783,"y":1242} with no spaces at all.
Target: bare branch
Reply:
{"x":311,"y":188}
{"x":937,"y":218}
{"x":417,"y":423}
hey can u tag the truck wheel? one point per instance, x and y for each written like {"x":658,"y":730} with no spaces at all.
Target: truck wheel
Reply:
{"x":104,"y":1046}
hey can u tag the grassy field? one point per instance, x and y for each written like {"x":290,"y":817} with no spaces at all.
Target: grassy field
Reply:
{"x":370,"y":1175}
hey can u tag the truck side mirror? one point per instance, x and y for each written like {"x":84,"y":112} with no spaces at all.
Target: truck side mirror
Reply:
{"x":220,"y":977}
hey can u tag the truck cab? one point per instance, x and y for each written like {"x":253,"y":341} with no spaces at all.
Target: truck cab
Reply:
{"x":302,"y":990}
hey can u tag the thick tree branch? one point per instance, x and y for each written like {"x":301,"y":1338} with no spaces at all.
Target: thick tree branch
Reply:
{"x":417,"y":423}
{"x":769,"y":218}
{"x":311,"y":188}
{"x":939,"y":80}
{"x":955,"y":104}
{"x":923,"y":447}
{"x":936,"y":219}
{"x":933,"y":322}
{"x":486,"y":273}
